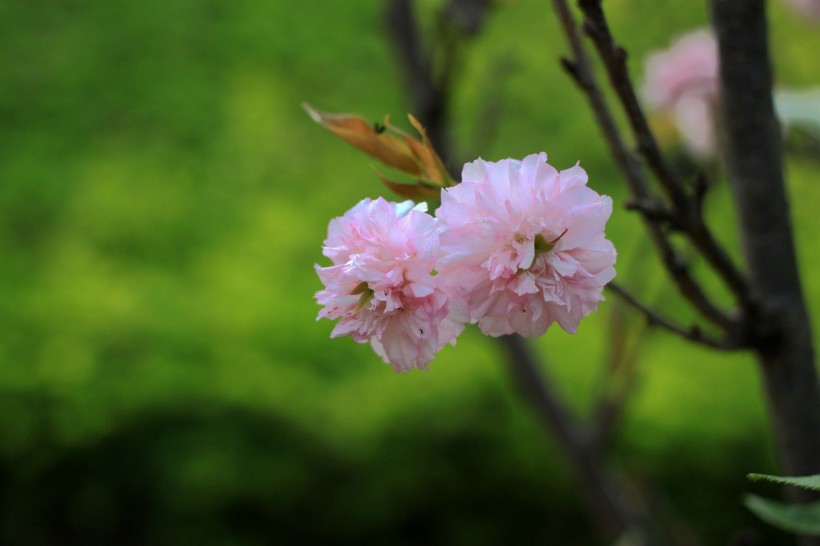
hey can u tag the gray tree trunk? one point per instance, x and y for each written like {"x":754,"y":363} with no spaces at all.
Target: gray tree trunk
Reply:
{"x":780,"y":326}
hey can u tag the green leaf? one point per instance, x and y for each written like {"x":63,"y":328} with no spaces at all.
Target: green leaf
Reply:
{"x":797,"y":518}
{"x":807,"y":482}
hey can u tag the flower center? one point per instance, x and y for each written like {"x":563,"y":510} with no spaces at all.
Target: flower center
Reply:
{"x":366,"y":295}
{"x":542,"y":246}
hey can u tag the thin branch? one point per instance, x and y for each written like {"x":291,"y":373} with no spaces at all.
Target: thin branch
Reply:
{"x":691,"y":333}
{"x":619,"y":376}
{"x":687,"y":207}
{"x":656,"y":211}
{"x":614,"y":59}
{"x":609,"y":501}
{"x":580,"y":69}
{"x":616,"y":514}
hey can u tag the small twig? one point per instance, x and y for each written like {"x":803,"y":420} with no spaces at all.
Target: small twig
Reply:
{"x":619,"y":377}
{"x":614,"y":58}
{"x":620,"y":369}
{"x":580,"y":69}
{"x":686,"y":207}
{"x":700,"y":185}
{"x":691,"y":333}
{"x":655,"y":210}
{"x":604,"y":494}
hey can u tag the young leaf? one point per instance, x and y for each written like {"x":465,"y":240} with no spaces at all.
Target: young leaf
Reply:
{"x":433,"y":165}
{"x":390,"y":149}
{"x":798,"y":518}
{"x":806,"y":482}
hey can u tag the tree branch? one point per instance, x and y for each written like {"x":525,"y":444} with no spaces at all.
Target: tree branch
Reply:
{"x":781,"y":328}
{"x":615,"y":514}
{"x":580,"y":69}
{"x":607,"y":498}
{"x":618,"y":377}
{"x":691,"y":333}
{"x":686,"y":206}
{"x":614,"y":58}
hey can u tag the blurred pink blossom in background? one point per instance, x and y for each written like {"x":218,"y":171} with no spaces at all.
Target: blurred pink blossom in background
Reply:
{"x":523,"y":246}
{"x":683,"y":81}
{"x":806,"y":8}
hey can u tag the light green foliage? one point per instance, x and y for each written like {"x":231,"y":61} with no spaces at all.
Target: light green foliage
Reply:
{"x":806,"y":482}
{"x":797,"y":518}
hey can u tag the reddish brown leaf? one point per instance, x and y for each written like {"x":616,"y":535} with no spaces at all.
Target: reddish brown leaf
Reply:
{"x":433,"y":165}
{"x":416,"y":192}
{"x":390,"y":149}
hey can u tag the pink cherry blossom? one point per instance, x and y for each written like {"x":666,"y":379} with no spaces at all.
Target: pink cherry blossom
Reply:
{"x":809,"y":9}
{"x":380,"y":284}
{"x":683,"y":81}
{"x":523,"y":246}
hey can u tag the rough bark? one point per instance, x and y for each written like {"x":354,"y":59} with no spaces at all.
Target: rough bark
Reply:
{"x":780,"y":325}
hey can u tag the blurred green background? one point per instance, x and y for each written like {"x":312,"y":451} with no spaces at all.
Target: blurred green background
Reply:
{"x":163,"y":199}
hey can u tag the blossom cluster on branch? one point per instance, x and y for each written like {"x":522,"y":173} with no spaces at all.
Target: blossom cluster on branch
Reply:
{"x":514,"y":247}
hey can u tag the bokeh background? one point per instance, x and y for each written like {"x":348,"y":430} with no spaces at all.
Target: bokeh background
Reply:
{"x":163,"y":198}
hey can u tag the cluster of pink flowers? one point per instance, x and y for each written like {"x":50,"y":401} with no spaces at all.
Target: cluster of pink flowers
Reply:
{"x":516,"y":246}
{"x":683,"y":81}
{"x":381,"y":284}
